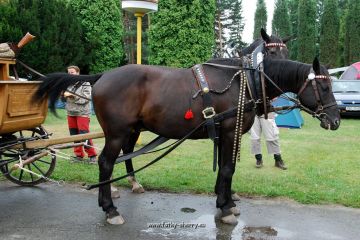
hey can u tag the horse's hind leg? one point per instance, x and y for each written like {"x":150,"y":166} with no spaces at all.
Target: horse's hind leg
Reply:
{"x":106,"y":165}
{"x":129,"y":148}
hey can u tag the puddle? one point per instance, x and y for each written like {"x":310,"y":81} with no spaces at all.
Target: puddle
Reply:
{"x":258,"y":233}
{"x":208,"y":226}
{"x":188,"y":210}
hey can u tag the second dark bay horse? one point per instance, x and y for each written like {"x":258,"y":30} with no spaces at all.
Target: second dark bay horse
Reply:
{"x":155,"y":98}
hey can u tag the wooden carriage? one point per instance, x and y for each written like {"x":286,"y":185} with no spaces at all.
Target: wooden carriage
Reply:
{"x":17,"y":110}
{"x":26,"y":157}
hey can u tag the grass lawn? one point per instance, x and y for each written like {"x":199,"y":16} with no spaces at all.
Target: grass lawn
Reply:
{"x":323,"y":166}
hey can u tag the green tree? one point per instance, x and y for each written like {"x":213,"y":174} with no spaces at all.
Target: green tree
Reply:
{"x":53,"y":48}
{"x":352,"y":34}
{"x":260,"y":18}
{"x":221,"y":23}
{"x":281,"y":25}
{"x":293,"y":13}
{"x":329,"y":33}
{"x":236,"y":26}
{"x":306,"y":31}
{"x":343,"y":10}
{"x":103,"y":33}
{"x":177,"y":38}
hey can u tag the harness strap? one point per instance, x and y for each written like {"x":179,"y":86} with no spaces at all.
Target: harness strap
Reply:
{"x":153,"y":144}
{"x":208,"y":111}
{"x":222,"y":66}
{"x":317,"y":96}
{"x":263,"y":90}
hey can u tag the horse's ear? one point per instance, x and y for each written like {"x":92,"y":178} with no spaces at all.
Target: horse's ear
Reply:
{"x":316,"y":65}
{"x":327,"y":66}
{"x":286,"y":39}
{"x":265,"y":36}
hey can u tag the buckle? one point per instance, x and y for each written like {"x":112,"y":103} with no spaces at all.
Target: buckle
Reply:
{"x":208,"y":112}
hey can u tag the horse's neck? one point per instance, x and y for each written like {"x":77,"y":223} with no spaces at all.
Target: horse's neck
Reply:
{"x":288,"y":75}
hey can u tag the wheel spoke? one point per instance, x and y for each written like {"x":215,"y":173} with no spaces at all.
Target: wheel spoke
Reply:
{"x":43,"y":161}
{"x":31,"y":175}
{"x":38,"y":168}
{"x":21,"y":174}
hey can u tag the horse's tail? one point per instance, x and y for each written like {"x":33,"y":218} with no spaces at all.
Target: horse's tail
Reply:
{"x":53,"y":84}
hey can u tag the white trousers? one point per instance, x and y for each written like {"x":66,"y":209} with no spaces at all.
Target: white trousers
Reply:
{"x":270,"y":131}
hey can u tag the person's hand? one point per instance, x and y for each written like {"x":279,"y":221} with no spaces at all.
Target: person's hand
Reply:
{"x":67,"y":94}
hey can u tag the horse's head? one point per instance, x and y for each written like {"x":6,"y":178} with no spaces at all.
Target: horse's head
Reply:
{"x":316,"y":95}
{"x":275,"y":47}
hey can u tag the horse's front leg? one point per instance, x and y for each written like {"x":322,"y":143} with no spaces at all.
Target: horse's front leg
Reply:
{"x":224,"y":200}
{"x":106,"y":165}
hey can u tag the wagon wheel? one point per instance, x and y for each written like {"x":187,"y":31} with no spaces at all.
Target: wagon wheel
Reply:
{"x":43,"y":166}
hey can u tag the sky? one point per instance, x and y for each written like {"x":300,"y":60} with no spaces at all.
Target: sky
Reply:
{"x":248,"y":10}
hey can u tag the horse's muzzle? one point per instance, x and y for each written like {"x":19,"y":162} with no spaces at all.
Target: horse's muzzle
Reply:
{"x":329,"y":124}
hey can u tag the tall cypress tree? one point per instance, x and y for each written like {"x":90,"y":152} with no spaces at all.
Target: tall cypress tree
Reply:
{"x":221,"y":23}
{"x":260,"y":19}
{"x":236,"y":26}
{"x":103,"y":33}
{"x":352,"y":34}
{"x":329,"y":33}
{"x":293,"y":12}
{"x":343,"y":9}
{"x":306,"y":31}
{"x":177,"y":38}
{"x":281,"y":21}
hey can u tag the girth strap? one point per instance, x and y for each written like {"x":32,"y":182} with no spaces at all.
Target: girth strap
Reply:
{"x":208,"y":111}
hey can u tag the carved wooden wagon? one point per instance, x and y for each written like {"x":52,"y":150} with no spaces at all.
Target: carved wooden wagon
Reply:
{"x":26,"y":157}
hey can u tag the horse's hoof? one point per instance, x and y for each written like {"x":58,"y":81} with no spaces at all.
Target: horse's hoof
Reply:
{"x":229,"y":219}
{"x":235,"y":197}
{"x":235,"y":211}
{"x":137,"y":188}
{"x":117,"y":220}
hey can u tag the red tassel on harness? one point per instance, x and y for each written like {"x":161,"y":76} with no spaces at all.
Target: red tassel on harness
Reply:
{"x":189,"y":115}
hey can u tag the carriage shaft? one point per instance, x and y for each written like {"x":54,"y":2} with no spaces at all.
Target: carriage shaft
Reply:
{"x":43,"y":143}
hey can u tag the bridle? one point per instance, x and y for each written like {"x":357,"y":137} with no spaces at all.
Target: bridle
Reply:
{"x":319,"y":112}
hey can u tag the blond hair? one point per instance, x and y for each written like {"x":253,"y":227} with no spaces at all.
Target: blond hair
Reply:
{"x":77,"y":69}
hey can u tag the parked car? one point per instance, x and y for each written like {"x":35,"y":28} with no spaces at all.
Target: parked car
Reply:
{"x":347,"y":96}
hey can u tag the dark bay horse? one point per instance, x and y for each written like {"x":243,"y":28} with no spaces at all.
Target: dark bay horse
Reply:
{"x":155,"y":98}
{"x":274,"y":48}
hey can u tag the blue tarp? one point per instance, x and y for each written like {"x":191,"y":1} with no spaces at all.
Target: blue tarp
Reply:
{"x":292,"y":119}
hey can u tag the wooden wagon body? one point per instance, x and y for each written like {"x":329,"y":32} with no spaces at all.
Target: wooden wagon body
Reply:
{"x":23,"y":141}
{"x":17,"y":110}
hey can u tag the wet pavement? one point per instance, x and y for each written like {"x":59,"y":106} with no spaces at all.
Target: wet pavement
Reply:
{"x":70,"y":212}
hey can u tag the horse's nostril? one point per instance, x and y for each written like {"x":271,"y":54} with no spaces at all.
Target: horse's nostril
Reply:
{"x":337,"y":122}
